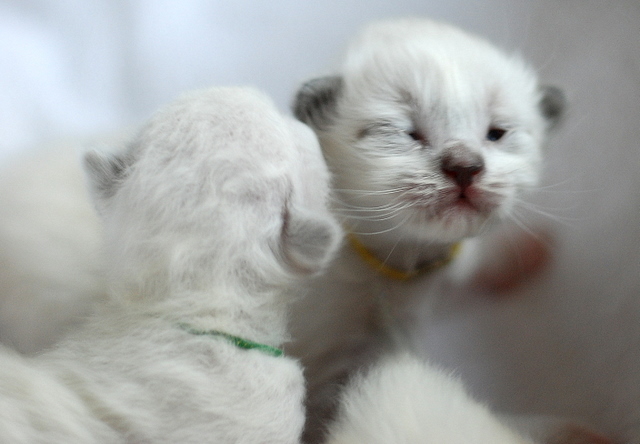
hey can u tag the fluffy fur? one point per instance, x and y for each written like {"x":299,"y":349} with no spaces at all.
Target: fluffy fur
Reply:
{"x":405,"y":400}
{"x":404,"y":126}
{"x":50,"y":238}
{"x":432,"y":135}
{"x":387,"y":405}
{"x":212,"y":215}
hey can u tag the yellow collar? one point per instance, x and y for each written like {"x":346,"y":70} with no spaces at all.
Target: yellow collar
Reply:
{"x":393,"y":273}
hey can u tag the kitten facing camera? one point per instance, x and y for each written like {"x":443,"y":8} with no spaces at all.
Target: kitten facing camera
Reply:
{"x":431,"y":133}
{"x":432,"y":136}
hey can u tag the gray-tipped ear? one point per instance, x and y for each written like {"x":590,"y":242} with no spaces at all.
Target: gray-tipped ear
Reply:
{"x":316,"y":102}
{"x":104,"y":173}
{"x":552,"y":105}
{"x":309,"y":242}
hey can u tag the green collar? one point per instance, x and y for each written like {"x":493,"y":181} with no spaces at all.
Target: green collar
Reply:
{"x":235,"y":340}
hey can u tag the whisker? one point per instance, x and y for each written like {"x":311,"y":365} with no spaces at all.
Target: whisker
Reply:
{"x":552,"y":214}
{"x":483,"y":228}
{"x":352,"y":207}
{"x":386,"y":259}
{"x":523,"y":226}
{"x":387,"y":230}
{"x":550,"y":187}
{"x":370,"y":192}
{"x":373,"y":218}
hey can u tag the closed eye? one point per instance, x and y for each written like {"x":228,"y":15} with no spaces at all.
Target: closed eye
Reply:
{"x":495,"y":134}
{"x":418,"y":136}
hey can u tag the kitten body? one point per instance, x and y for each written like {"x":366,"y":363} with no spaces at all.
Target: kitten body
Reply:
{"x":432,"y":135}
{"x":50,"y":237}
{"x":380,"y":405}
{"x":212,"y":216}
{"x":369,"y":408}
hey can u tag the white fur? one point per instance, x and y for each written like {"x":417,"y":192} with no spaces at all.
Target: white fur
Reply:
{"x":404,"y":80}
{"x":402,"y":400}
{"x":399,"y":77}
{"x":212,"y":214}
{"x":451,"y":86}
{"x":575,"y":326}
{"x":50,"y":275}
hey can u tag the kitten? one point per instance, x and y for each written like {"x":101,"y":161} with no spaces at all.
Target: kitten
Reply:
{"x":412,"y":189}
{"x":443,"y":413}
{"x":212,"y":215}
{"x":403,"y":399}
{"x":50,"y":237}
{"x":432,"y":135}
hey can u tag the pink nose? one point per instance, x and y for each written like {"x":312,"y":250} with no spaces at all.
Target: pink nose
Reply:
{"x":462,"y":165}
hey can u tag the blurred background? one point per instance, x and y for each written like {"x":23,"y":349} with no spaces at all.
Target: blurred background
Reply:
{"x":568,"y":343}
{"x":73,"y":66}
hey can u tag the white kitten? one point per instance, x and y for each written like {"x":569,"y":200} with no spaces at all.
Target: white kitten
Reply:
{"x":403,"y":400}
{"x":406,"y":127}
{"x":50,"y":277}
{"x":432,"y":135}
{"x":211,"y":215}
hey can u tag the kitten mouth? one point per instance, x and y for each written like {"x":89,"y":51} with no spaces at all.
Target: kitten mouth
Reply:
{"x":451,"y":212}
{"x":464,"y":202}
{"x":470,"y":201}
{"x":453,"y":202}
{"x":469,"y":198}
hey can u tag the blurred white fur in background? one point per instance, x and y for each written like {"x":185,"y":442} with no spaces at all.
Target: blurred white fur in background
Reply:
{"x":569,"y":342}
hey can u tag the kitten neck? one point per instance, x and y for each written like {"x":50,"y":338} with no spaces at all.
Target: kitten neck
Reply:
{"x":402,"y":260}
{"x":259,"y":317}
{"x":265,"y":323}
{"x":245,"y":344}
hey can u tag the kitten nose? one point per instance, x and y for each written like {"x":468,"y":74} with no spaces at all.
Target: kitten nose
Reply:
{"x":462,"y":165}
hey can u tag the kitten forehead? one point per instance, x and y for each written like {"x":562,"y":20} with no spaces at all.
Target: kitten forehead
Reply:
{"x":424,"y":37}
{"x":399,"y":59}
{"x":219,"y":122}
{"x":231,"y":138}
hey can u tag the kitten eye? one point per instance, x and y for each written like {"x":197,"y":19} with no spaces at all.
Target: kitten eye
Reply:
{"x":417,"y":136}
{"x":495,"y":134}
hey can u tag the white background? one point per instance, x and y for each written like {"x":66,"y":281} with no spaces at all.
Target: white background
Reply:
{"x":570,"y":342}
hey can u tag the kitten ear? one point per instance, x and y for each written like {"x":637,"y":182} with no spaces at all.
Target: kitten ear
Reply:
{"x":552,"y":105}
{"x":104,"y":173}
{"x":315,"y":103}
{"x":308,"y":241}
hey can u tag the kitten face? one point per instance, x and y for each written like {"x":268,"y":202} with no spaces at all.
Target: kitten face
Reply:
{"x":431,"y":133}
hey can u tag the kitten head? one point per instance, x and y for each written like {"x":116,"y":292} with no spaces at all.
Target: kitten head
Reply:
{"x":432,"y":133}
{"x":217,"y":189}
